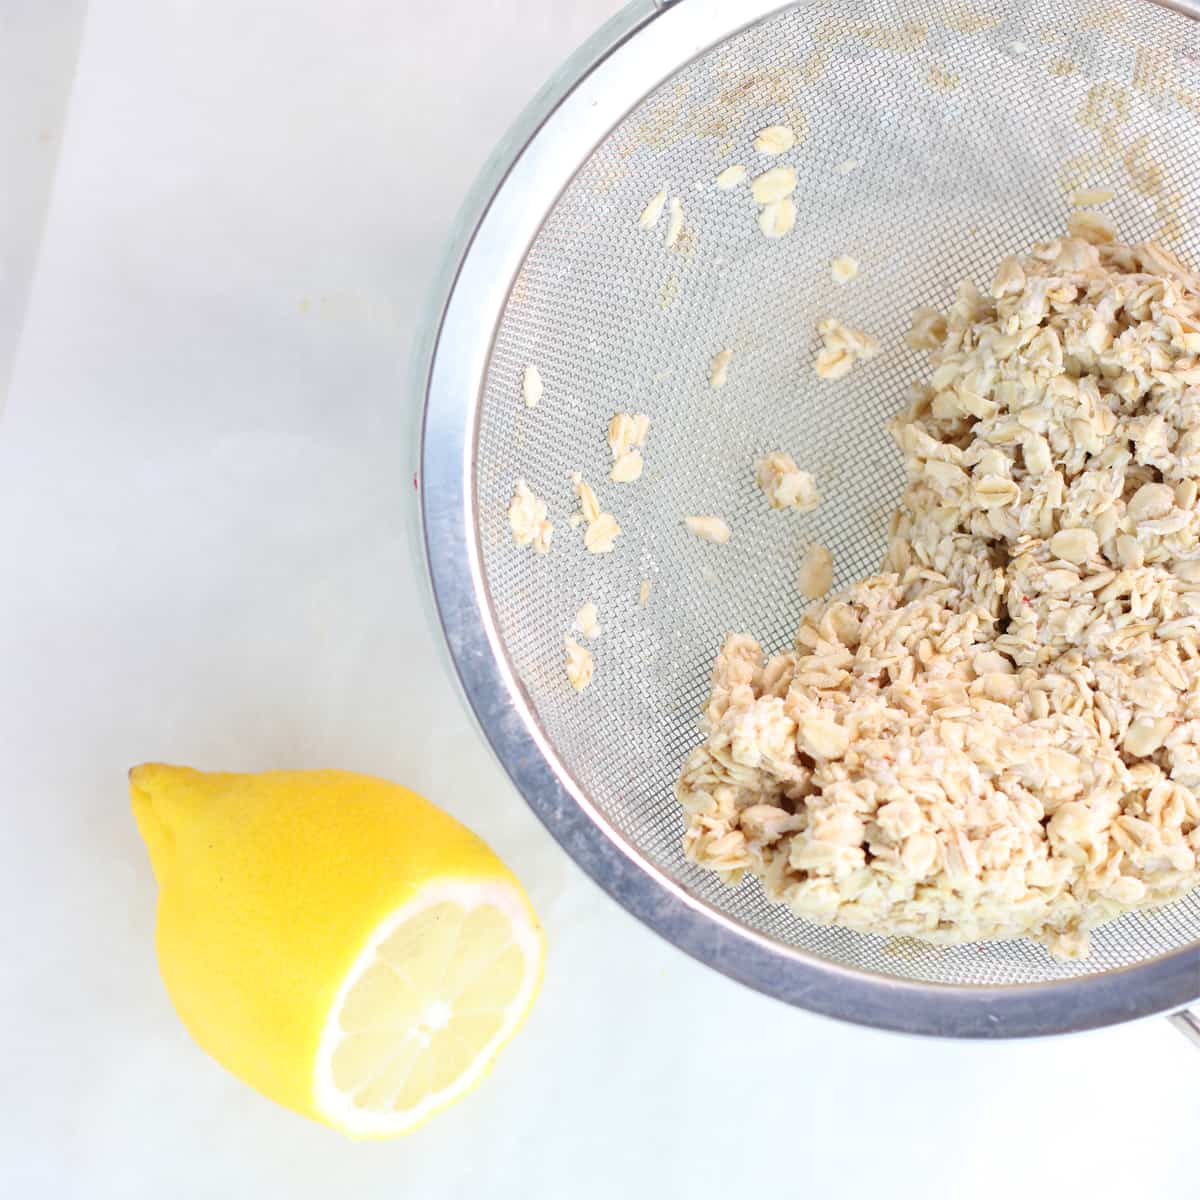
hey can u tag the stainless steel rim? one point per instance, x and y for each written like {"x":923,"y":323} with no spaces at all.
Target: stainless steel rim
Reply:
{"x":600,"y":83}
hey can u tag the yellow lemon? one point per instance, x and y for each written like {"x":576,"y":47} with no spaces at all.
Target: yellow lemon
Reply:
{"x":336,"y":941}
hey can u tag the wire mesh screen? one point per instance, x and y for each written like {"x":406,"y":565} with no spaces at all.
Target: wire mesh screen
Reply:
{"x":933,"y":140}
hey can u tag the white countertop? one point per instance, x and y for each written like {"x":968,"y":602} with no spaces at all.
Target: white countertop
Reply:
{"x":203,"y":493}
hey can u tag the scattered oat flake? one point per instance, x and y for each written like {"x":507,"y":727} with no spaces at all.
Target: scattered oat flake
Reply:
{"x":843,"y":269}
{"x":708,"y":529}
{"x":842,"y":346}
{"x":601,"y":534}
{"x":628,"y":467}
{"x":589,"y":506}
{"x":527,"y":519}
{"x":674,"y":222}
{"x":731,"y":177}
{"x":652,"y":211}
{"x":1087,"y":197}
{"x":816,"y":572}
{"x":718,"y":371}
{"x":580,"y":664}
{"x":775,"y":139}
{"x":531,"y":386}
{"x":626,"y":430}
{"x":846,"y":166}
{"x":602,"y":529}
{"x":773,"y":185}
{"x":784,"y":484}
{"x":587,"y":622}
{"x":626,"y":434}
{"x":644,"y":593}
{"x":778,"y":218}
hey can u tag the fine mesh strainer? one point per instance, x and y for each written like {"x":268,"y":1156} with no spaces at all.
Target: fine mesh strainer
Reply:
{"x":936,"y":138}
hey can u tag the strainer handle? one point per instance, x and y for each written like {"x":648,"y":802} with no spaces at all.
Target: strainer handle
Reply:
{"x":1188,"y":1023}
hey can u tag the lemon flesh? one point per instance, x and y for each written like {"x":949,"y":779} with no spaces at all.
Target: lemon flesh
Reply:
{"x":443,"y":984}
{"x":336,"y":941}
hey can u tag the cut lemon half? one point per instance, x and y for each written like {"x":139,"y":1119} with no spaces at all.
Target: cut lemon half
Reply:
{"x":442,"y":985}
{"x":335,"y":940}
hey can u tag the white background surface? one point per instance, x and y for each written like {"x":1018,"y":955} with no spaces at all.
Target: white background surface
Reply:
{"x":203,"y":535}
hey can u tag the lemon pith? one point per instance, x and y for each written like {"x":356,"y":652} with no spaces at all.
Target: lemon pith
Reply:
{"x":335,"y":940}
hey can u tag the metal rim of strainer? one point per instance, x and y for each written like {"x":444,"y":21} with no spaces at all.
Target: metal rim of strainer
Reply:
{"x":571,"y":115}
